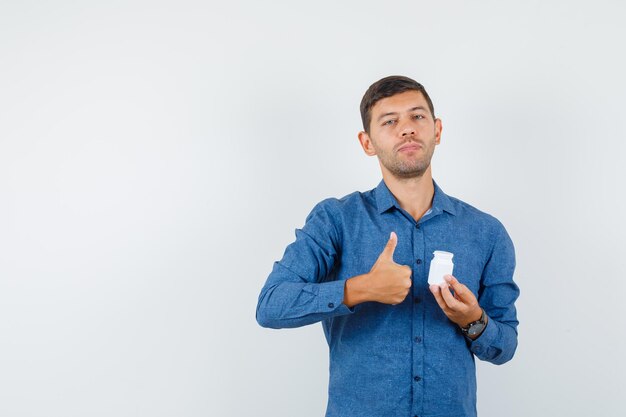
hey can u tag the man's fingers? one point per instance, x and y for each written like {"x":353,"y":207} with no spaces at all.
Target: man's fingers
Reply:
{"x":387,"y":253}
{"x":449,"y":299}
{"x":461,"y":292}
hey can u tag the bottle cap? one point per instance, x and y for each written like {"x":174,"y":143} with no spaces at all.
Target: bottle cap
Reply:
{"x":443,"y":255}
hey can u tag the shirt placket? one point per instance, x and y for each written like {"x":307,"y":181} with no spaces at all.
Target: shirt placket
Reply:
{"x":417,"y":319}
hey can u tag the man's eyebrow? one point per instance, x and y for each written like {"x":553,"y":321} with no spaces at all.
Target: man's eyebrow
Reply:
{"x":395,"y":113}
{"x":385,"y":115}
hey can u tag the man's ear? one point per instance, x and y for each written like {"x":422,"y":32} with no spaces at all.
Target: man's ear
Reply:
{"x":366,"y":143}
{"x":438,"y":128}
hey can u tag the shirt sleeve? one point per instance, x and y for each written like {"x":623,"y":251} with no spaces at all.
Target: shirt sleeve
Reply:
{"x":297,"y":291}
{"x":497,"y":295}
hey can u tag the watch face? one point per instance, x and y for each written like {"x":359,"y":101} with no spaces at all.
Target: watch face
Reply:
{"x":475,"y":329}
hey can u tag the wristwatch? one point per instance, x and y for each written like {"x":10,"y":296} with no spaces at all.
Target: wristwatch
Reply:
{"x":475,"y":328}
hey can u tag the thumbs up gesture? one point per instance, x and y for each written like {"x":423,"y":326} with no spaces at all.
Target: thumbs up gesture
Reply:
{"x":387,"y":282}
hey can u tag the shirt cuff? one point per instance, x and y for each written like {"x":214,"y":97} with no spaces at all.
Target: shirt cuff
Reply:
{"x":485,"y":340}
{"x":330,"y":298}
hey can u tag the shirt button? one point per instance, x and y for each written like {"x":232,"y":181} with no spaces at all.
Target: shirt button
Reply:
{"x":331,"y":305}
{"x":418,"y":339}
{"x":416,"y":300}
{"x":419,"y":261}
{"x":417,"y":225}
{"x":417,"y":378}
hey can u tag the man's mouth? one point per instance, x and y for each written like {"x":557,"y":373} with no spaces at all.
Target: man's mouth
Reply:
{"x":411,"y":147}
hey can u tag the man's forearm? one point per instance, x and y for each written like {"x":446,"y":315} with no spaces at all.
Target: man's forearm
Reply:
{"x":295,"y":304}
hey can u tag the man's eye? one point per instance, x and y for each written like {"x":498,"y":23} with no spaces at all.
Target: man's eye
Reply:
{"x":419,"y":116}
{"x":388,"y":122}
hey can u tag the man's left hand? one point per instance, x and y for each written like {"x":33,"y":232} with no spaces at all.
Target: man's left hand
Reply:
{"x":461,"y":307}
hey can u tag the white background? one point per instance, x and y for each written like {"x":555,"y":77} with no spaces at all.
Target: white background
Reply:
{"x":156,"y":157}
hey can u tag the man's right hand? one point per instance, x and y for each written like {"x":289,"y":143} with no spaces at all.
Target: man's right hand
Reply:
{"x":387,"y":282}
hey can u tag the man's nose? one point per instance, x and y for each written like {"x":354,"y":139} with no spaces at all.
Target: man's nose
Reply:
{"x":407,"y":129}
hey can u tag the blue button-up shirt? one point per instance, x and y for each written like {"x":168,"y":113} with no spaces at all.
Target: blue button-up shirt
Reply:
{"x":396,"y":360}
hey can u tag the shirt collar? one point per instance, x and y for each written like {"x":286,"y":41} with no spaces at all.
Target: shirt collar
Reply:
{"x":385,"y":200}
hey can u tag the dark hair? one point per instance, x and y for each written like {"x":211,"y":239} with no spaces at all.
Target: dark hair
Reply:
{"x":387,"y":87}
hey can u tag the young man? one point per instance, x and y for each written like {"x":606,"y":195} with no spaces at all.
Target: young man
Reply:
{"x":399,"y":347}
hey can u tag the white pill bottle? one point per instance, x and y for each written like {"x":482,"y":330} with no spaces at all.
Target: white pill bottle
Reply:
{"x":440,"y":265}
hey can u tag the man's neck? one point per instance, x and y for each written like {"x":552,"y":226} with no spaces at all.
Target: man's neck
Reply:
{"x":415,"y":195}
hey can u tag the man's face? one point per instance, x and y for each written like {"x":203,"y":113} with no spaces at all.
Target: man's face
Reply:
{"x":403,"y":134}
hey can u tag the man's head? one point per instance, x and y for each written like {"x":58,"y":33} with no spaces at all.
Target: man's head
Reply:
{"x":387,"y":87}
{"x":400,"y":126}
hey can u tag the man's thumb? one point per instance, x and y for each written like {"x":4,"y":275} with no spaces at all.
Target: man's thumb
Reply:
{"x":390,"y":247}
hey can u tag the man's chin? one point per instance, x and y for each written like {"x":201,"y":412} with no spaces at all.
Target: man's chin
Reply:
{"x":405,"y":175}
{"x":409,"y":172}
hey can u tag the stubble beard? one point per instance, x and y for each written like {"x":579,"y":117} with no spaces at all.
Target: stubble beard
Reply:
{"x":406,"y":167}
